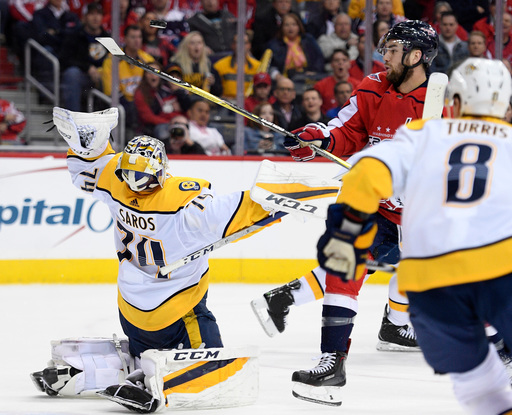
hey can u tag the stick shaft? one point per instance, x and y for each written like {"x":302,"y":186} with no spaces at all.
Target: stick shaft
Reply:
{"x":114,"y":49}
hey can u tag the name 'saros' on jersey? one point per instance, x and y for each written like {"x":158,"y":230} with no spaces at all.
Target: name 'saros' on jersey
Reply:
{"x":40,"y":212}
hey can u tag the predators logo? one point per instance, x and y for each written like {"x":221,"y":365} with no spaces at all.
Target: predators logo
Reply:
{"x":189,"y":185}
{"x":470,"y":69}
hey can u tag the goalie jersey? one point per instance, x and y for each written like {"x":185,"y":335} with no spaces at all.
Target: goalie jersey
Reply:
{"x":155,"y":229}
{"x":455,"y":178}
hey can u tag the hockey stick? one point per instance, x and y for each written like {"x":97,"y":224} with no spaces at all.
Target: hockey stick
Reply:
{"x":115,"y":50}
{"x":434,"y":98}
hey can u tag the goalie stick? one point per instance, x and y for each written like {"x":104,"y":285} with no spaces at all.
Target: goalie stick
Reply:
{"x":115,"y":50}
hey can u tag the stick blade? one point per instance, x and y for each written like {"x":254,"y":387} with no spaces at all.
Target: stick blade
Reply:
{"x":111,"y":45}
{"x":434,"y":98}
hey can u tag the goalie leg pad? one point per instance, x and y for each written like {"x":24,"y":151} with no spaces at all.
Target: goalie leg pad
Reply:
{"x":202,"y":378}
{"x":81,"y":366}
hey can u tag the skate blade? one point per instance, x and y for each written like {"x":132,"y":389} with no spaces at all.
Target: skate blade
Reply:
{"x":323,"y":395}
{"x":259,"y":306}
{"x":131,"y":405}
{"x":384,"y":346}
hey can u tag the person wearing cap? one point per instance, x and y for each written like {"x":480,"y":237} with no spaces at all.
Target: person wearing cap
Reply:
{"x":227,"y":68}
{"x":81,"y":58}
{"x":261,"y":92}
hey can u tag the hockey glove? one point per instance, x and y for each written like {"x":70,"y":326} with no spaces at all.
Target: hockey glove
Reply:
{"x":297,"y":152}
{"x":86,"y":133}
{"x":343,"y":248}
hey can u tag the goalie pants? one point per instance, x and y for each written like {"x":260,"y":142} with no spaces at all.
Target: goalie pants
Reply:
{"x":449,"y":322}
{"x":196,"y":327}
{"x":385,"y":248}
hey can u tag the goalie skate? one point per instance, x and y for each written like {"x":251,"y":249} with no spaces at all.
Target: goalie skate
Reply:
{"x":131,"y":397}
{"x":323,"y":383}
{"x":394,"y":338}
{"x":272,"y":307}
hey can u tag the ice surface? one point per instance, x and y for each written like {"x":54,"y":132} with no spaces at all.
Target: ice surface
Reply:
{"x":377,"y":382}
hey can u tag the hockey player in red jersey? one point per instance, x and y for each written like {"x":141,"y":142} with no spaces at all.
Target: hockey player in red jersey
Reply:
{"x":382,"y":103}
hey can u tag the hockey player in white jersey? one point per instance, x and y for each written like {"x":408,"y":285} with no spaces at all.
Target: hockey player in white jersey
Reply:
{"x":457,"y":232}
{"x":158,"y":219}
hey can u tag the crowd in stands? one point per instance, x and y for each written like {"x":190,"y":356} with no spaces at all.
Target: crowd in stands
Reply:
{"x":302,"y":58}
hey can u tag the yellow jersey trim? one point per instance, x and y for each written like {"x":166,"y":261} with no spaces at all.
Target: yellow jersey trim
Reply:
{"x":459,"y":267}
{"x":166,"y":313}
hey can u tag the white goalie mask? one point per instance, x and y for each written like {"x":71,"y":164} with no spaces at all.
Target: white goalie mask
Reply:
{"x":483,"y":86}
{"x":143,"y":164}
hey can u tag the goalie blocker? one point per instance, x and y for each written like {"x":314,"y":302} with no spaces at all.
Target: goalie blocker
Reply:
{"x":181,"y":378}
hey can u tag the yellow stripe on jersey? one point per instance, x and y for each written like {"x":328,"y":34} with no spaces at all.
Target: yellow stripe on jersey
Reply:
{"x":203,"y":375}
{"x":416,"y":124}
{"x":166,"y":313}
{"x":363,"y":194}
{"x":176,"y":193}
{"x":247,"y":214}
{"x":460,"y":267}
{"x":314,"y":285}
{"x":299,"y":191}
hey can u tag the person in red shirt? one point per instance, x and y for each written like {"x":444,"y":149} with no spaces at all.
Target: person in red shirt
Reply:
{"x":356,"y":70}
{"x":382,"y":102}
{"x":340,"y":63}
{"x":261,"y":92}
{"x":12,"y":123}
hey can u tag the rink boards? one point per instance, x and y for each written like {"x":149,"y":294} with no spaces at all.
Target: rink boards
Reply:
{"x":51,"y":232}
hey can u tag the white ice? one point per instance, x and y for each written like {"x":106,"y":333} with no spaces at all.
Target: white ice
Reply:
{"x":377,"y":382}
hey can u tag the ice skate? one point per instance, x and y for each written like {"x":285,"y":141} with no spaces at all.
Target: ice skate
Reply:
{"x":272,"y":307}
{"x":323,"y":383}
{"x":396,"y":338}
{"x":131,"y":397}
{"x":53,"y":378}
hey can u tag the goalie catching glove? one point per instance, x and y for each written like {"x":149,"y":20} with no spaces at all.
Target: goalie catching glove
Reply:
{"x":316,"y":133}
{"x":86,"y":133}
{"x":343,"y":248}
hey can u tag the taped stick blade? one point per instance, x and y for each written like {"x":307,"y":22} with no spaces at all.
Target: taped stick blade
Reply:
{"x":434,"y":98}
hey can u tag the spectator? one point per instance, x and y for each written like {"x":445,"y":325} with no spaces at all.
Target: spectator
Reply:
{"x":261,"y":92}
{"x":451,"y":48}
{"x":477,"y":45}
{"x":267,"y":24}
{"x":12,"y":123}
{"x":209,"y":138}
{"x":341,"y":38}
{"x":507,"y":44}
{"x":129,"y":75}
{"x":380,"y":28}
{"x":356,"y":8}
{"x":175,"y":16}
{"x":21,"y":13}
{"x":356,"y":70}
{"x":232,"y":7}
{"x":179,"y":141}
{"x":227,"y":69}
{"x":81,"y":58}
{"x":50,"y":23}
{"x":197,"y":68}
{"x":217,"y":26}
{"x":127,"y":17}
{"x":469,"y":12}
{"x":260,"y":139}
{"x":383,"y":11}
{"x":159,"y":47}
{"x":441,"y":7}
{"x":285,"y":109}
{"x":181,"y":98}
{"x":342,"y":92}
{"x":294,"y":51}
{"x":311,"y":110}
{"x":154,"y":104}
{"x":321,"y":22}
{"x":486,"y":24}
{"x":340,"y":64}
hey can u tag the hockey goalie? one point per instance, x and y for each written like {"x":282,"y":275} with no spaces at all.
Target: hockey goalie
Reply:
{"x":174,"y":353}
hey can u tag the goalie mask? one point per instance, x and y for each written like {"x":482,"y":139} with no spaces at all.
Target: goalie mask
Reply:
{"x":483,"y":86}
{"x":143,"y":164}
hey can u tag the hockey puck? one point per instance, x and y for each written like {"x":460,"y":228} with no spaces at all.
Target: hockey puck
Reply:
{"x":161,"y":24}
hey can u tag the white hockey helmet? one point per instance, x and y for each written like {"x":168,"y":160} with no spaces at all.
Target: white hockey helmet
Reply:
{"x":143,"y":164}
{"x":483,"y":86}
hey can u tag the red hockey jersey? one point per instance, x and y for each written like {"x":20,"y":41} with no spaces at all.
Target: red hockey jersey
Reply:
{"x":373,"y":114}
